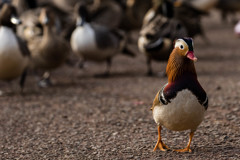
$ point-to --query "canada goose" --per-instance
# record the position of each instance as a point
(228, 7)
(201, 5)
(30, 27)
(14, 54)
(23, 5)
(134, 13)
(106, 12)
(162, 7)
(95, 42)
(191, 18)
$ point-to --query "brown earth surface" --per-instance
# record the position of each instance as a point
(82, 117)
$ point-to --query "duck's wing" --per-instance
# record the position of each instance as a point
(160, 98)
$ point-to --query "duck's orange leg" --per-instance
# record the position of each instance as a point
(187, 149)
(159, 143)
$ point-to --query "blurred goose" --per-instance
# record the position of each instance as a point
(134, 11)
(190, 17)
(156, 38)
(95, 42)
(65, 5)
(228, 6)
(23, 5)
(14, 54)
(163, 7)
(106, 12)
(31, 27)
(49, 51)
(201, 5)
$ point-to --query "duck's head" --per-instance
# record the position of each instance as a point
(8, 15)
(184, 47)
(81, 13)
(181, 60)
(46, 17)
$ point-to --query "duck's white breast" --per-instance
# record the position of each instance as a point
(142, 41)
(12, 62)
(83, 39)
(148, 16)
(83, 43)
(183, 113)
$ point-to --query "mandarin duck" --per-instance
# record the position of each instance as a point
(182, 102)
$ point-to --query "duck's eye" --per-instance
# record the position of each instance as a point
(181, 47)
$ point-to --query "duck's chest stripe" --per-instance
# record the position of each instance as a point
(170, 91)
(161, 96)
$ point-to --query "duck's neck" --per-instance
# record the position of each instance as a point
(178, 66)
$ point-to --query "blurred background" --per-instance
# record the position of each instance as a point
(78, 76)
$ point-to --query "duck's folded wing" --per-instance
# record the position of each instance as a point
(156, 45)
(160, 98)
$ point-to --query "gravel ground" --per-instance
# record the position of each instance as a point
(82, 117)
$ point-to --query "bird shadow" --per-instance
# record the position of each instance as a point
(113, 74)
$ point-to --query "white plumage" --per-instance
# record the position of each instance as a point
(184, 112)
(12, 61)
(237, 28)
(84, 43)
(83, 40)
